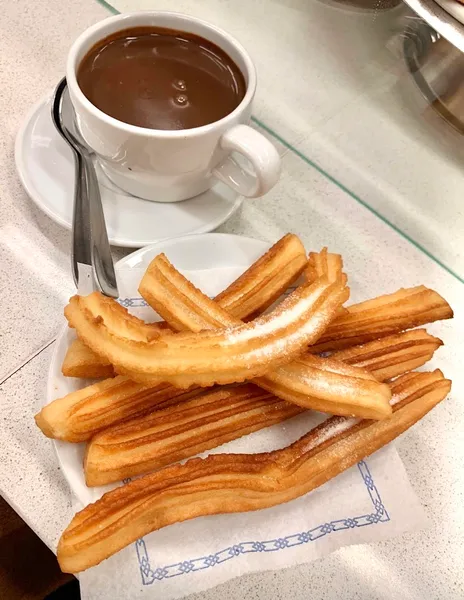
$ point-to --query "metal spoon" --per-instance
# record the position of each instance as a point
(90, 245)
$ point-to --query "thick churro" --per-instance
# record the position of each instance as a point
(81, 361)
(248, 296)
(309, 381)
(78, 416)
(383, 316)
(167, 435)
(213, 356)
(217, 416)
(225, 483)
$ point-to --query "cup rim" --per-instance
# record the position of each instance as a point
(71, 78)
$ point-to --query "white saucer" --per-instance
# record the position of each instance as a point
(46, 168)
(228, 255)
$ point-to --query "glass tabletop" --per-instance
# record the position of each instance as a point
(365, 92)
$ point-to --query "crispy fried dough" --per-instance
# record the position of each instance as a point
(383, 316)
(214, 356)
(226, 483)
(217, 416)
(309, 381)
(81, 361)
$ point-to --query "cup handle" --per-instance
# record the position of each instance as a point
(262, 155)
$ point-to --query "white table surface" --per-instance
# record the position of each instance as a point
(35, 281)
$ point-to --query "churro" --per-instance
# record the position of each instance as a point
(266, 280)
(227, 483)
(128, 325)
(216, 416)
(213, 356)
(392, 355)
(167, 435)
(254, 291)
(323, 263)
(383, 316)
(248, 296)
(114, 400)
(81, 361)
(311, 382)
(80, 414)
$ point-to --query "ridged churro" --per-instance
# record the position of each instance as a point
(392, 355)
(323, 263)
(129, 326)
(326, 264)
(226, 483)
(167, 435)
(248, 296)
(214, 356)
(79, 415)
(254, 291)
(383, 316)
(216, 416)
(266, 280)
(309, 381)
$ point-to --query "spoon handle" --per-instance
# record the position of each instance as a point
(90, 239)
(81, 234)
(101, 252)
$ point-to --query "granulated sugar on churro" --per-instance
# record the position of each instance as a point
(328, 430)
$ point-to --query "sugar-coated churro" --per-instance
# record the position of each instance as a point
(213, 356)
(254, 291)
(311, 382)
(79, 415)
(329, 386)
(113, 413)
(227, 483)
(109, 402)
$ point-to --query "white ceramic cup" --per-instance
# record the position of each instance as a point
(169, 166)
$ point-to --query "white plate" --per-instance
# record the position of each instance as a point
(45, 166)
(223, 252)
(454, 8)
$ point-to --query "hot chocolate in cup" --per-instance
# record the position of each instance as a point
(164, 100)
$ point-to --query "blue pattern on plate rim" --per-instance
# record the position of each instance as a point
(151, 574)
